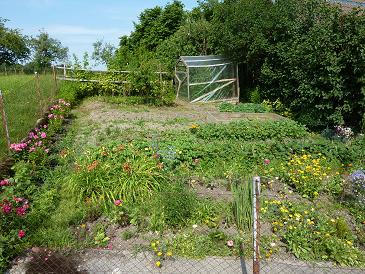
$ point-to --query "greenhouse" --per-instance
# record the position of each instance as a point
(206, 79)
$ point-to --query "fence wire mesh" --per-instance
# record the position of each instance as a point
(212, 244)
(292, 234)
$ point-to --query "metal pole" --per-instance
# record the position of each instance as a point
(5, 122)
(188, 79)
(256, 224)
(64, 70)
(238, 83)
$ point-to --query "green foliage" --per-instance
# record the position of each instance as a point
(327, 83)
(246, 130)
(13, 45)
(46, 50)
(311, 235)
(244, 107)
(242, 205)
(175, 205)
(115, 171)
(191, 244)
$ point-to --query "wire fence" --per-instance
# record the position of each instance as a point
(201, 248)
(24, 98)
(103, 246)
(290, 233)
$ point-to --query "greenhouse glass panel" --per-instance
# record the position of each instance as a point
(206, 78)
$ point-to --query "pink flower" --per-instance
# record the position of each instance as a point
(21, 234)
(6, 208)
(4, 182)
(266, 161)
(20, 211)
(46, 150)
(43, 135)
(18, 147)
(118, 202)
(230, 243)
(18, 200)
(45, 126)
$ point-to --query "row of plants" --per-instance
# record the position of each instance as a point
(244, 107)
(18, 192)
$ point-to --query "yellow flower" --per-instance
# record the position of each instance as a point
(168, 253)
(159, 254)
(194, 126)
(333, 220)
(153, 244)
(158, 264)
(327, 235)
(349, 242)
(82, 225)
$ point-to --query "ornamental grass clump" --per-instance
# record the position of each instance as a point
(116, 172)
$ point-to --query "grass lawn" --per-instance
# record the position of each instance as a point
(23, 104)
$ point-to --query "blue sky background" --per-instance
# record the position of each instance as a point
(78, 23)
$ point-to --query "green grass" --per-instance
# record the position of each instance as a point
(23, 104)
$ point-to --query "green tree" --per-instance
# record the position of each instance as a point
(103, 52)
(47, 50)
(13, 45)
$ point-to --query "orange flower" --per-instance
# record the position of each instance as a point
(127, 168)
(93, 165)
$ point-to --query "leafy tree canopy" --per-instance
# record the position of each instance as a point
(13, 45)
(47, 50)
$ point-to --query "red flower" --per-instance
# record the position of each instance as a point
(266, 161)
(21, 234)
(20, 211)
(4, 183)
(6, 208)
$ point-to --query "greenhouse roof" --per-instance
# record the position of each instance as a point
(204, 61)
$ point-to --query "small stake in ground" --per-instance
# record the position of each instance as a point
(256, 224)
(5, 122)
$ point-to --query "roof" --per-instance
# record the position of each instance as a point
(204, 60)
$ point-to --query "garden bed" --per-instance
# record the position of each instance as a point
(159, 189)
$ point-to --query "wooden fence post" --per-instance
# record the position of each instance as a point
(38, 89)
(5, 121)
(54, 82)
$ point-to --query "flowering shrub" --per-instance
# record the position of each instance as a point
(358, 185)
(13, 214)
(339, 133)
(38, 139)
(311, 236)
(306, 173)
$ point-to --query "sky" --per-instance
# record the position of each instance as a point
(78, 23)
